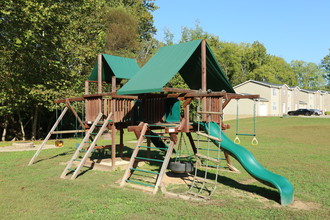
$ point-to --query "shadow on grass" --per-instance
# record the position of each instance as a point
(259, 190)
(55, 156)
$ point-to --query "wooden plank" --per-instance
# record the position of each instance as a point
(164, 166)
(178, 90)
(75, 114)
(69, 99)
(210, 113)
(86, 87)
(207, 158)
(205, 94)
(134, 154)
(192, 143)
(99, 73)
(208, 136)
(68, 131)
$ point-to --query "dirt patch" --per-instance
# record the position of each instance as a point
(27, 147)
(176, 178)
(299, 205)
(248, 181)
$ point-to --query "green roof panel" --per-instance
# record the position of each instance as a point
(121, 67)
(183, 58)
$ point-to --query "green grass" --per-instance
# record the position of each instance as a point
(295, 147)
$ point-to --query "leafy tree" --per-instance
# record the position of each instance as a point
(326, 66)
(309, 75)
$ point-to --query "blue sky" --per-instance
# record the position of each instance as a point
(291, 29)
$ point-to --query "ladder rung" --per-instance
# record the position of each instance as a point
(214, 166)
(145, 184)
(145, 171)
(155, 136)
(71, 169)
(207, 158)
(208, 136)
(158, 148)
(200, 179)
(76, 160)
(209, 149)
(94, 133)
(88, 142)
(150, 159)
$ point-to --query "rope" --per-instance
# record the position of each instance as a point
(254, 140)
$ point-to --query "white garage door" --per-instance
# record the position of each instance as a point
(262, 109)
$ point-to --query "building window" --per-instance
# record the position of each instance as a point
(274, 92)
(274, 106)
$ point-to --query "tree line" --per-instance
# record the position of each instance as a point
(48, 49)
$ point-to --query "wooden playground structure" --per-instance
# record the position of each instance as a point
(158, 117)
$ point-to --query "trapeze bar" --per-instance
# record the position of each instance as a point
(246, 134)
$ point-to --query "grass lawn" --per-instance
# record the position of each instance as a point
(297, 148)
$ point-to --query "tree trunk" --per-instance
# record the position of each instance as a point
(35, 123)
(4, 132)
(22, 126)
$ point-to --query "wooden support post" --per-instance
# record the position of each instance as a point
(203, 73)
(186, 117)
(86, 87)
(113, 84)
(113, 146)
(99, 73)
(121, 141)
(192, 143)
(148, 149)
(99, 79)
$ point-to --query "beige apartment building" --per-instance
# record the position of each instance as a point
(275, 99)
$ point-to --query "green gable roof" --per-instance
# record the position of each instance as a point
(122, 68)
(184, 58)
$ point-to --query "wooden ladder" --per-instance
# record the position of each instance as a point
(127, 178)
(76, 171)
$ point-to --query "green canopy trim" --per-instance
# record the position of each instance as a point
(121, 67)
(184, 58)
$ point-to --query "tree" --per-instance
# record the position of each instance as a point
(309, 75)
(326, 66)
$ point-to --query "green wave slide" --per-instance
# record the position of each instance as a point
(250, 164)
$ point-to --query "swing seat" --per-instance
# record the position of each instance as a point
(181, 167)
(59, 143)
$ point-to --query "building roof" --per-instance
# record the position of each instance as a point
(184, 58)
(121, 67)
(273, 85)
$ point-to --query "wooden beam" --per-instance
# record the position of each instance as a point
(205, 94)
(203, 75)
(86, 87)
(67, 131)
(178, 90)
(99, 73)
(69, 99)
(113, 84)
(75, 114)
(209, 136)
